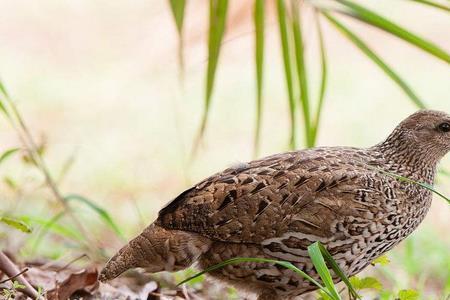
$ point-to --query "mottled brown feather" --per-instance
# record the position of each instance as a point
(275, 207)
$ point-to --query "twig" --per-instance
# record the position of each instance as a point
(10, 269)
(71, 262)
(15, 276)
(32, 148)
(66, 167)
(54, 263)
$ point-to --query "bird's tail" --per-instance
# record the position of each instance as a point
(157, 249)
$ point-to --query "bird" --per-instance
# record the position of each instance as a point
(275, 207)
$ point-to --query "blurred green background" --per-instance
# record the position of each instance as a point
(99, 83)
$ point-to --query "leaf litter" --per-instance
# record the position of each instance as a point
(58, 281)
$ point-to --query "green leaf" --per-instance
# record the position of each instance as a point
(365, 283)
(324, 296)
(8, 153)
(17, 285)
(217, 18)
(41, 292)
(323, 80)
(301, 71)
(369, 17)
(322, 269)
(16, 223)
(258, 16)
(238, 260)
(104, 215)
(382, 260)
(285, 47)
(433, 4)
(376, 59)
(408, 295)
(337, 270)
(178, 8)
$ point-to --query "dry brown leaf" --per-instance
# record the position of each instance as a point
(62, 285)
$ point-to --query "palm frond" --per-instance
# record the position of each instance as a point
(370, 17)
(301, 71)
(376, 59)
(217, 19)
(259, 58)
(433, 4)
(323, 80)
(178, 10)
(285, 47)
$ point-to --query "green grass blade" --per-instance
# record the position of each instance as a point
(5, 155)
(258, 16)
(16, 223)
(301, 71)
(323, 79)
(217, 20)
(5, 94)
(3, 108)
(103, 214)
(424, 185)
(178, 8)
(376, 59)
(55, 227)
(319, 264)
(433, 4)
(3, 90)
(44, 230)
(238, 260)
(337, 270)
(281, 10)
(369, 17)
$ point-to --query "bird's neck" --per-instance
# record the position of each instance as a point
(407, 158)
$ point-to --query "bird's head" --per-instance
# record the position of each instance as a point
(425, 133)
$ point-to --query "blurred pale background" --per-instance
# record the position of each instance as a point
(99, 81)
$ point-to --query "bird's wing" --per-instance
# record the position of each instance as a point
(304, 192)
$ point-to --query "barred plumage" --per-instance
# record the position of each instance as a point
(276, 206)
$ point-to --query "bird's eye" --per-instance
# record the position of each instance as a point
(444, 127)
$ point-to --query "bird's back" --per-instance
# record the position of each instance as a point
(287, 201)
(257, 200)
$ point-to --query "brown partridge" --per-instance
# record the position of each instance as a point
(277, 206)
